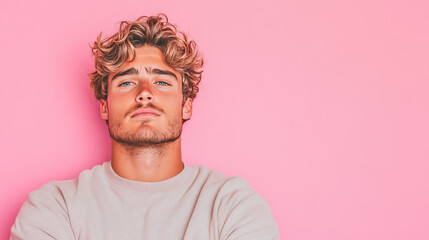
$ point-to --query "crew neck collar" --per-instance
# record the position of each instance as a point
(168, 184)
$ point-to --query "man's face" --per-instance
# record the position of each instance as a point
(144, 101)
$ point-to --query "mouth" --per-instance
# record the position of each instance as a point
(145, 112)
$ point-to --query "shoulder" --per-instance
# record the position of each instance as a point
(241, 212)
(44, 213)
(45, 210)
(60, 190)
(214, 176)
(226, 186)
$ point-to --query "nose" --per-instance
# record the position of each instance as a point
(145, 93)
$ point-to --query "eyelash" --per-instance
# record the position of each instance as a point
(129, 83)
(166, 84)
(124, 84)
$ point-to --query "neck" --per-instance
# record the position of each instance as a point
(149, 163)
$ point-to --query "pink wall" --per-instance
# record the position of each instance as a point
(322, 106)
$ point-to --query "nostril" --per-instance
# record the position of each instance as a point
(141, 98)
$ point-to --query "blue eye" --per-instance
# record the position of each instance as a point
(162, 83)
(125, 84)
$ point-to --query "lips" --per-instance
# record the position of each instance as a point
(145, 112)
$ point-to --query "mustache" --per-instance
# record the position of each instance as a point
(139, 105)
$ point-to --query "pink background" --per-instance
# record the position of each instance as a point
(322, 106)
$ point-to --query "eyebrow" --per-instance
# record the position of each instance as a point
(150, 71)
(131, 71)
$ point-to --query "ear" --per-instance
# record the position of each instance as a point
(187, 109)
(104, 110)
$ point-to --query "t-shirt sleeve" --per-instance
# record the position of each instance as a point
(244, 214)
(43, 215)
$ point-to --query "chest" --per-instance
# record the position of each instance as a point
(169, 216)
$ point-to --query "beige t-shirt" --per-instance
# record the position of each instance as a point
(198, 203)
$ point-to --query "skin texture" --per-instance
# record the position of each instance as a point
(146, 147)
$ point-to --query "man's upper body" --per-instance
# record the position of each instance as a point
(198, 203)
(146, 79)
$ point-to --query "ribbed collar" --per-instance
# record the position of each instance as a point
(181, 179)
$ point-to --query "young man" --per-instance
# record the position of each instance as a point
(146, 79)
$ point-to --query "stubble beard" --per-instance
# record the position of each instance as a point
(146, 135)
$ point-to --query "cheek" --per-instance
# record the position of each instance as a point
(171, 102)
(117, 105)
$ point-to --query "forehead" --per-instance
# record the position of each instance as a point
(147, 57)
(148, 54)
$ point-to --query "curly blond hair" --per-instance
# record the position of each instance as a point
(180, 53)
